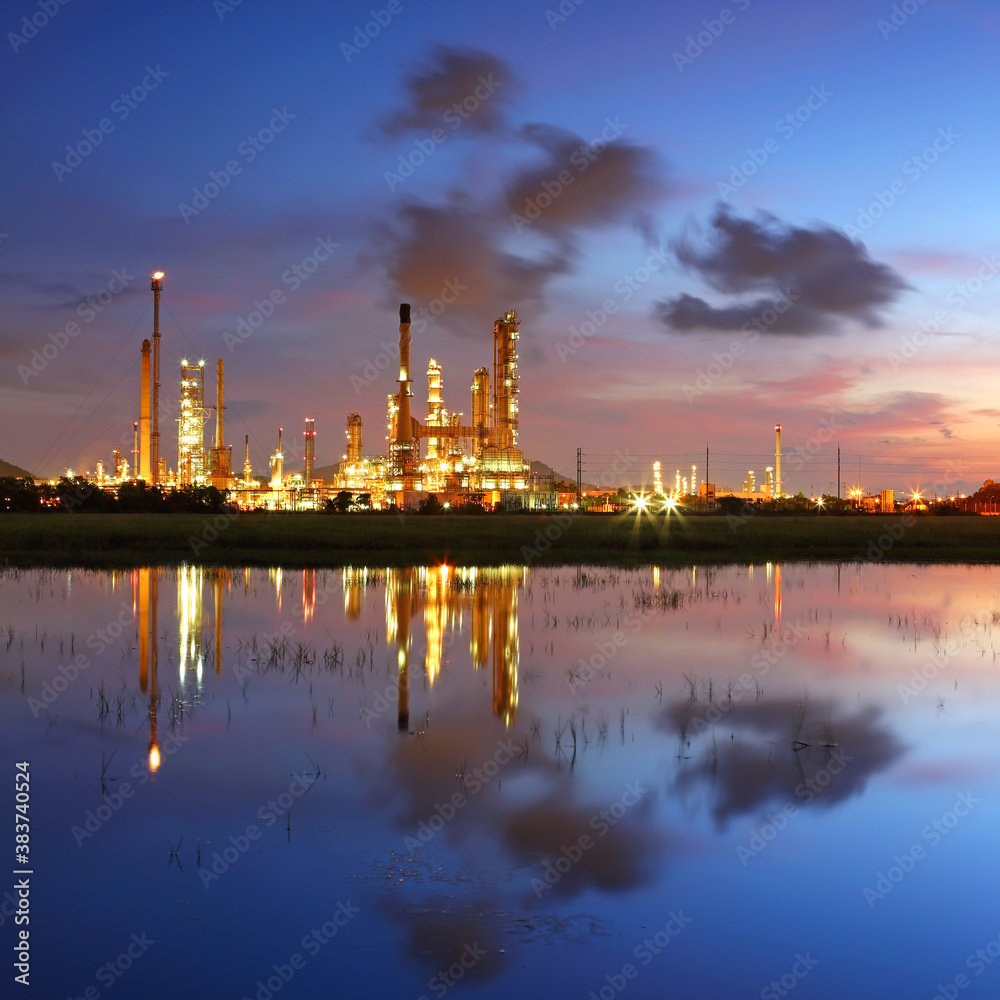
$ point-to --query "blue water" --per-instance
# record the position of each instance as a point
(534, 783)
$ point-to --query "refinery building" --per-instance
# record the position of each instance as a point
(445, 454)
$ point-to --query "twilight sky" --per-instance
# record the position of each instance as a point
(710, 218)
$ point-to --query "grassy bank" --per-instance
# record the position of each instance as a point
(384, 540)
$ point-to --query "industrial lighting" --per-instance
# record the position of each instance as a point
(158, 276)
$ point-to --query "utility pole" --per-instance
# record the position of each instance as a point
(707, 480)
(579, 476)
(838, 471)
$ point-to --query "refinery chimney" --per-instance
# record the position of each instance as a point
(354, 426)
(404, 421)
(777, 460)
(141, 468)
(218, 405)
(310, 433)
(154, 462)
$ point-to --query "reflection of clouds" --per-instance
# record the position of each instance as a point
(533, 826)
(763, 751)
(621, 857)
(439, 934)
(426, 770)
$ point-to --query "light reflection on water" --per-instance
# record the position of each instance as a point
(530, 771)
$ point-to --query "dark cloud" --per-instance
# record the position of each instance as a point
(827, 277)
(775, 747)
(585, 185)
(622, 855)
(453, 76)
(688, 312)
(464, 242)
(451, 255)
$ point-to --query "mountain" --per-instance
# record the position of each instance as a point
(7, 471)
(541, 469)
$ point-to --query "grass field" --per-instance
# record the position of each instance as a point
(295, 540)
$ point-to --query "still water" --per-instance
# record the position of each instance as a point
(741, 782)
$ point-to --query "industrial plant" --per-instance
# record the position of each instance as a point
(458, 460)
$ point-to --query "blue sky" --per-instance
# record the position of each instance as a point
(915, 411)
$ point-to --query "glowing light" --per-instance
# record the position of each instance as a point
(158, 276)
(154, 757)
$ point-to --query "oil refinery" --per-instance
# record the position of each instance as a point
(458, 460)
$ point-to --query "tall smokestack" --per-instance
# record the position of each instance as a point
(354, 437)
(218, 405)
(404, 421)
(141, 469)
(157, 287)
(777, 460)
(310, 449)
(135, 449)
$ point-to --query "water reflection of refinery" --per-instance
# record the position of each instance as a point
(448, 598)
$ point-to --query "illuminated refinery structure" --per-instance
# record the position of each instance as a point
(479, 458)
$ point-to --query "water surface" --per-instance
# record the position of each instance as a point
(507, 782)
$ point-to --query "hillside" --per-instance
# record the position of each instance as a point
(7, 470)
